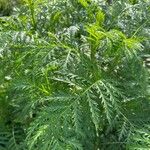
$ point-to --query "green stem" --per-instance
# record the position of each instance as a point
(139, 28)
(94, 63)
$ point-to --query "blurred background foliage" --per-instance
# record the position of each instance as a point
(7, 6)
(72, 75)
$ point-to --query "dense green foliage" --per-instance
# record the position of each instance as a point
(5, 7)
(72, 76)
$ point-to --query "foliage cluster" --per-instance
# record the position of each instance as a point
(72, 76)
(6, 6)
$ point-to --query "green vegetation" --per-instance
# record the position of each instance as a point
(5, 7)
(72, 75)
